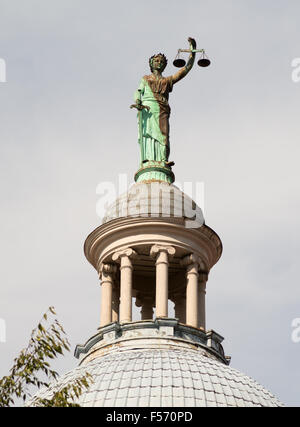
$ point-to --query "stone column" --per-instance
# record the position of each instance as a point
(147, 308)
(124, 257)
(115, 303)
(106, 276)
(146, 303)
(201, 301)
(162, 254)
(180, 307)
(192, 263)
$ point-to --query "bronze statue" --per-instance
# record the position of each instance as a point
(154, 111)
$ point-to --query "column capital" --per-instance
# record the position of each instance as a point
(190, 260)
(157, 249)
(128, 253)
(107, 269)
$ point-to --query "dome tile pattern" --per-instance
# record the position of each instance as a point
(165, 378)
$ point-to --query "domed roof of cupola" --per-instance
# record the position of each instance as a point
(155, 199)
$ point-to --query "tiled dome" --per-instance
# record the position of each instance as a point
(165, 378)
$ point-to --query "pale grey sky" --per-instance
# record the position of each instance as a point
(65, 126)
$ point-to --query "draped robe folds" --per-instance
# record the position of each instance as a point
(155, 122)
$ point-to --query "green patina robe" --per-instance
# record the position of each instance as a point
(155, 122)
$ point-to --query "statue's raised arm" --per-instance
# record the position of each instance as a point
(187, 68)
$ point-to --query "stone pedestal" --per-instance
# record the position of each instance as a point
(154, 171)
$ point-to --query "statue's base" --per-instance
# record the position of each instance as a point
(155, 171)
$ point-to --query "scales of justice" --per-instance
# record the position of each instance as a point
(152, 103)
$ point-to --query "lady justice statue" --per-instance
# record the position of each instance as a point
(152, 104)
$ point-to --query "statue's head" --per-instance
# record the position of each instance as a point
(158, 62)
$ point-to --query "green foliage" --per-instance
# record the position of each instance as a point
(45, 343)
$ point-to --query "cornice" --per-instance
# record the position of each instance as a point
(203, 238)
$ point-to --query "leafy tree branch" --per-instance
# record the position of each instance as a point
(45, 343)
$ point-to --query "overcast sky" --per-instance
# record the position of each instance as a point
(66, 126)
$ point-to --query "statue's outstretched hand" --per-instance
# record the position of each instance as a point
(185, 70)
